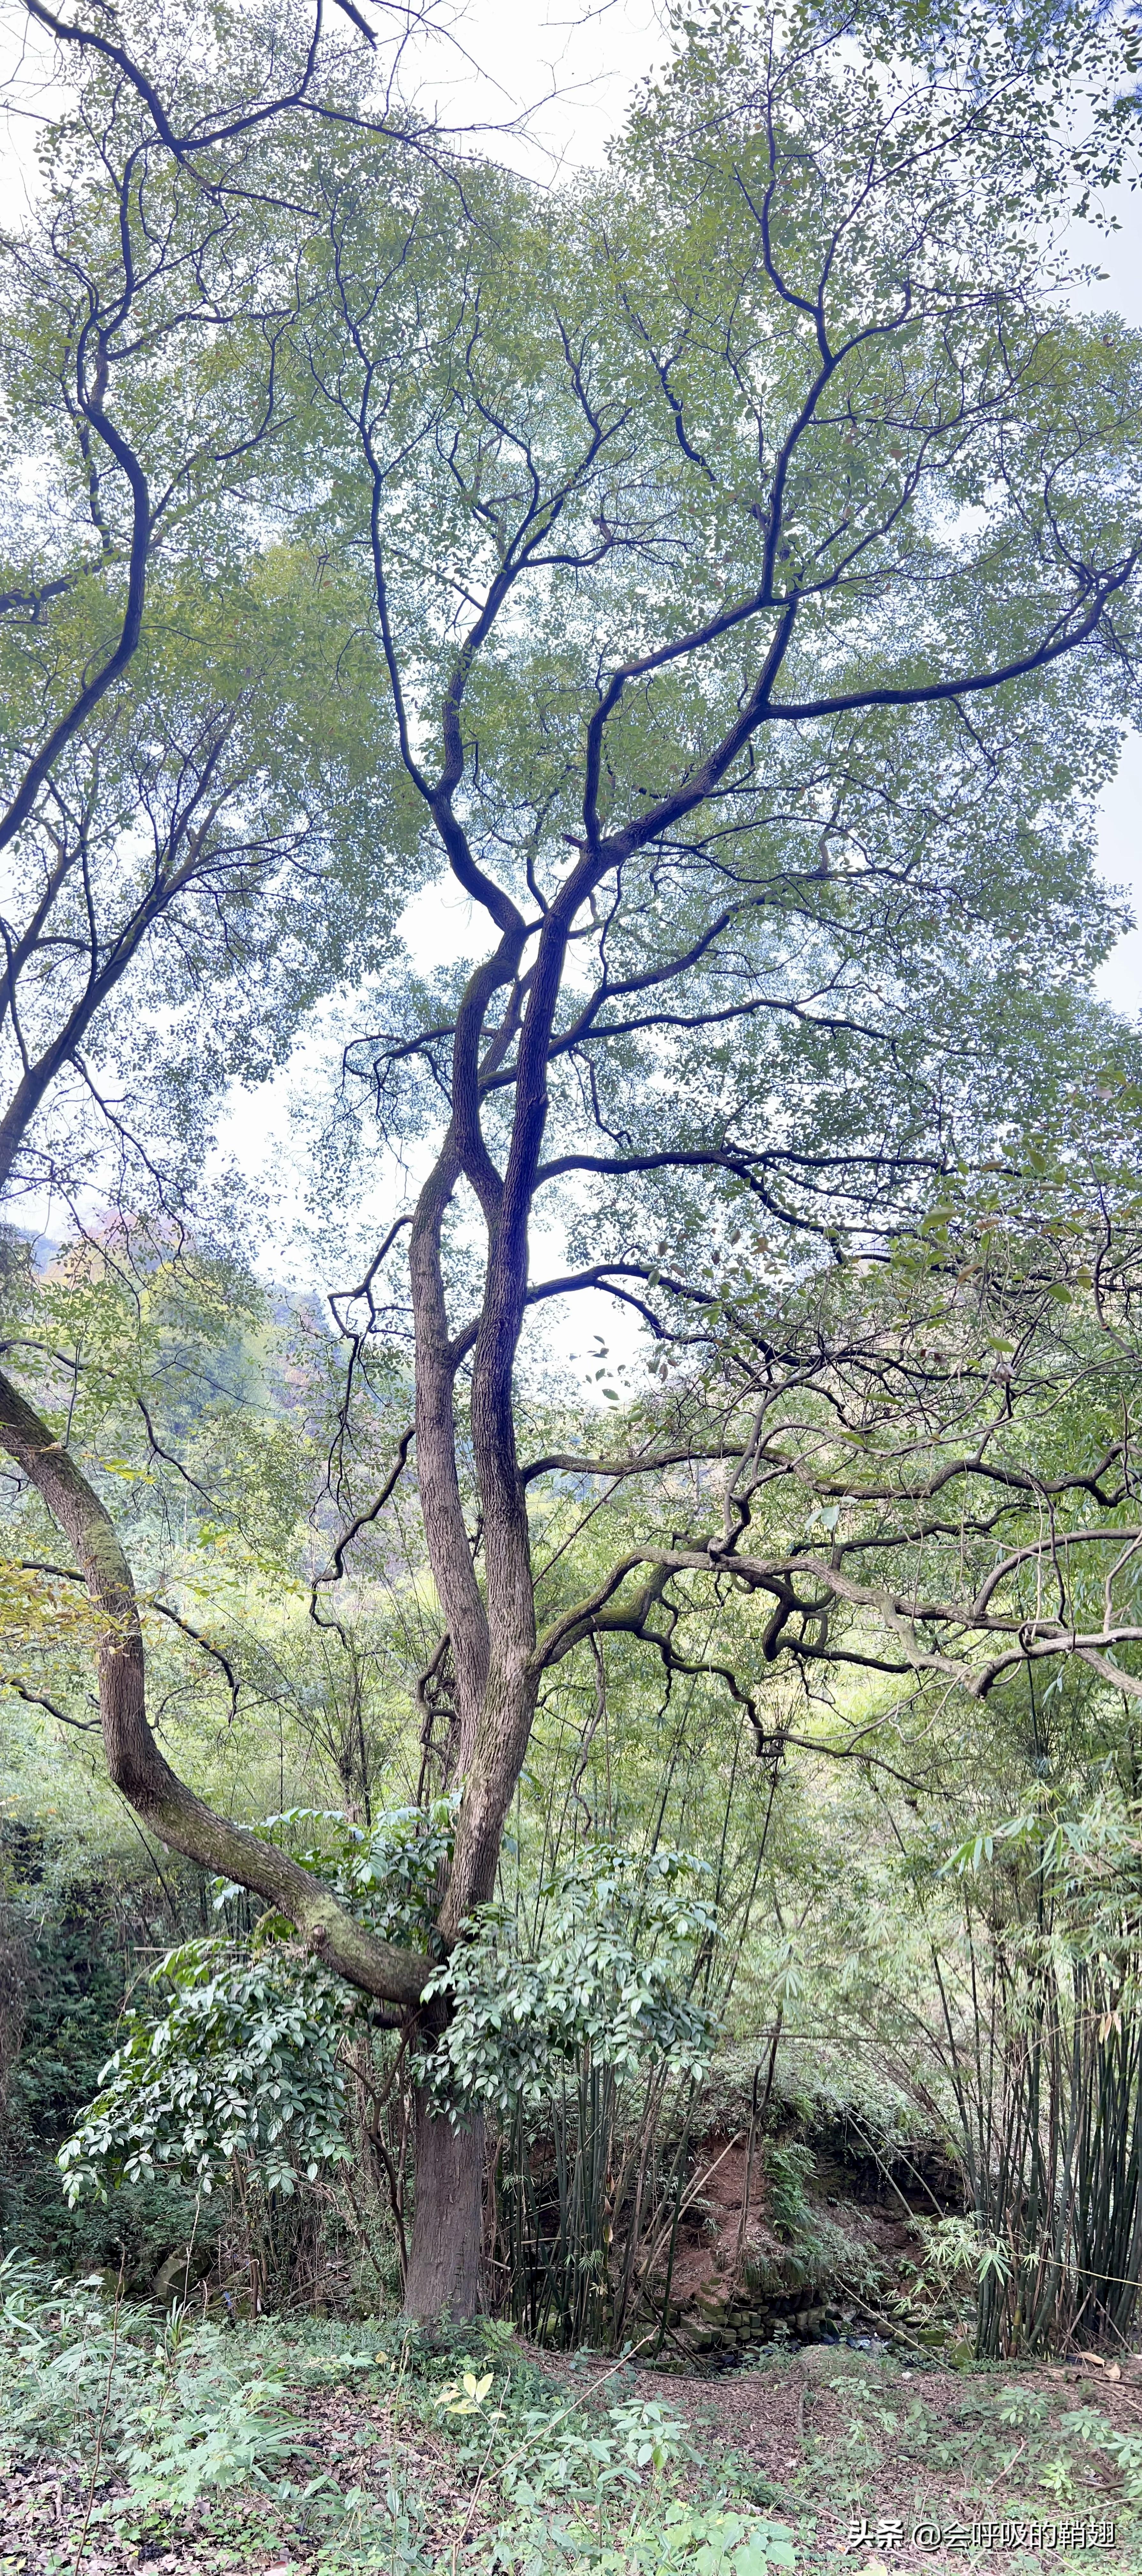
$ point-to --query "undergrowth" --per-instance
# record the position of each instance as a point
(181, 2417)
(376, 2446)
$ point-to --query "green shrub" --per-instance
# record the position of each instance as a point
(75, 1960)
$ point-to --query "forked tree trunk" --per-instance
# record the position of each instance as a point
(444, 2277)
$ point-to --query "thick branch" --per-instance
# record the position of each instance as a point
(141, 1772)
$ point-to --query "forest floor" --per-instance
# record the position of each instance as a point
(863, 2460)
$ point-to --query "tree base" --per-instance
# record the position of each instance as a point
(448, 2218)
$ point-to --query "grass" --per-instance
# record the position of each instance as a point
(129, 2438)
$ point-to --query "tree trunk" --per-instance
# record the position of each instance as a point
(448, 2217)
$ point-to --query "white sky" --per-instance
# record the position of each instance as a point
(569, 73)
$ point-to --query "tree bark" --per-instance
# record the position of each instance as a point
(448, 2217)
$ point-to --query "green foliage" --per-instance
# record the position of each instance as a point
(72, 1978)
(243, 2064)
(574, 2478)
(386, 1873)
(74, 1938)
(585, 2471)
(211, 2429)
(612, 1980)
(787, 2169)
(184, 2414)
(723, 2544)
(183, 2419)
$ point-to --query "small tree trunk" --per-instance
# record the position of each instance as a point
(448, 2217)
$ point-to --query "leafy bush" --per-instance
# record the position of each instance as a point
(243, 2064)
(723, 2544)
(180, 2414)
(612, 1978)
(387, 1873)
(210, 2430)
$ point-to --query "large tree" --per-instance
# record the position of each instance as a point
(751, 536)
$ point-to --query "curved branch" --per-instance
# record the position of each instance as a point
(38, 1699)
(205, 1646)
(122, 653)
(336, 1566)
(137, 1768)
(966, 684)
